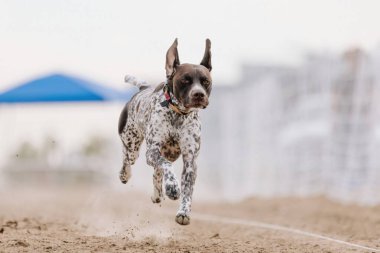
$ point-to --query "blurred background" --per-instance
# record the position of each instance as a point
(294, 109)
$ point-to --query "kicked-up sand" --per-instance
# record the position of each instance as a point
(103, 220)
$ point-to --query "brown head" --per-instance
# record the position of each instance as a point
(190, 83)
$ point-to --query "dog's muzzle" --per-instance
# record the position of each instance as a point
(198, 97)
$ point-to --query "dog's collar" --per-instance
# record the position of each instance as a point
(170, 101)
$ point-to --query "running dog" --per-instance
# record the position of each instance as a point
(167, 117)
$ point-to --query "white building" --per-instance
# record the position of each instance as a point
(313, 129)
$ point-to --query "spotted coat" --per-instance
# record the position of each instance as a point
(169, 130)
(168, 135)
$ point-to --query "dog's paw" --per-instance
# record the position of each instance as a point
(124, 175)
(155, 199)
(182, 218)
(172, 190)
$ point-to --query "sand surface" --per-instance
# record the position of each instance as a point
(101, 220)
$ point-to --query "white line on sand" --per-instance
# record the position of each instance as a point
(213, 218)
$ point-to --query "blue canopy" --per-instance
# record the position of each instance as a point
(62, 88)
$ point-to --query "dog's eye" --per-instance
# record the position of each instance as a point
(206, 82)
(186, 81)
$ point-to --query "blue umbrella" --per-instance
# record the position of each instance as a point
(63, 88)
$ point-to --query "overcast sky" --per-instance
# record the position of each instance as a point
(103, 40)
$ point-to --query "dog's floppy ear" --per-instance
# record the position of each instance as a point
(206, 61)
(172, 59)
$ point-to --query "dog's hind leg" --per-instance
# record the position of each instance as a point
(157, 184)
(132, 141)
(125, 172)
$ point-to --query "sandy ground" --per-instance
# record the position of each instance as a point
(101, 220)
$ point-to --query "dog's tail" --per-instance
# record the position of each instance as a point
(141, 84)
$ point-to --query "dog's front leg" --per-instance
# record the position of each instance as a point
(190, 149)
(163, 167)
(155, 159)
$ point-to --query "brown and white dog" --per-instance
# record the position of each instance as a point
(167, 117)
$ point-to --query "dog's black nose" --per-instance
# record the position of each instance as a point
(198, 95)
